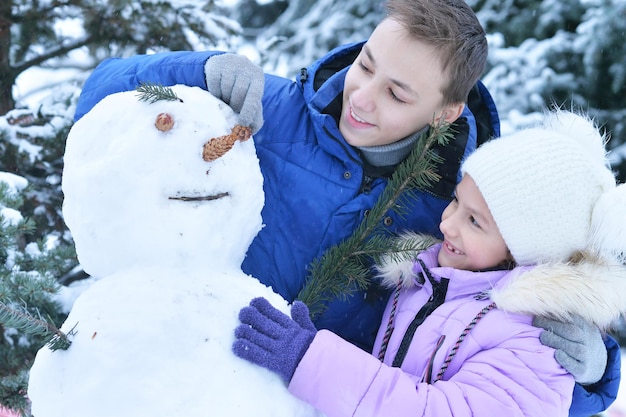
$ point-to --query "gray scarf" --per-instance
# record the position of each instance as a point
(392, 153)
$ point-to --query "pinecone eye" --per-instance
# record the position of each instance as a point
(164, 122)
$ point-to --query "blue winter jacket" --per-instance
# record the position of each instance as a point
(317, 187)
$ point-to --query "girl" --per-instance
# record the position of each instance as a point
(536, 228)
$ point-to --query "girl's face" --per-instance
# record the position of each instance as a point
(393, 89)
(472, 240)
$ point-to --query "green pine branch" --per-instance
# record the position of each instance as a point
(152, 93)
(345, 268)
(21, 319)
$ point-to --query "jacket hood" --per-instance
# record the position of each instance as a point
(333, 62)
(587, 286)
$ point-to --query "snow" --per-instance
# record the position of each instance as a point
(152, 334)
(14, 184)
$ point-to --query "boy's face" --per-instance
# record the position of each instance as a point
(393, 89)
(472, 240)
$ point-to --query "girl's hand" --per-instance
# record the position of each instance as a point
(271, 339)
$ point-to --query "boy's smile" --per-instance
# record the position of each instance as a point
(393, 88)
(355, 121)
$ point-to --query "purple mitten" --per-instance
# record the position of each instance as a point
(271, 339)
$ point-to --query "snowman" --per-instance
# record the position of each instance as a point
(163, 195)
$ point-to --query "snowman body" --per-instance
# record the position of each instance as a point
(164, 233)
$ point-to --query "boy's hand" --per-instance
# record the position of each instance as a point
(239, 83)
(271, 339)
(579, 347)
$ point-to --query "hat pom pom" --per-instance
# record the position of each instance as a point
(609, 224)
(581, 128)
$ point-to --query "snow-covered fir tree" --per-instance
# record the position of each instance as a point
(76, 35)
(36, 251)
(542, 52)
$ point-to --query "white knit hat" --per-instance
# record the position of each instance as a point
(542, 184)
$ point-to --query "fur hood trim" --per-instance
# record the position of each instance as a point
(588, 287)
(397, 266)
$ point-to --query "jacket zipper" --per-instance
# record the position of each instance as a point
(429, 369)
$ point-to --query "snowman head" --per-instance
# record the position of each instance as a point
(138, 191)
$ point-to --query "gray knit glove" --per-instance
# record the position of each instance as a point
(579, 347)
(239, 83)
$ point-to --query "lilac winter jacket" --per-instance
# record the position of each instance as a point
(499, 368)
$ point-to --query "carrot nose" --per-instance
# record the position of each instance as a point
(216, 147)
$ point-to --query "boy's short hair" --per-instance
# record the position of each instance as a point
(452, 27)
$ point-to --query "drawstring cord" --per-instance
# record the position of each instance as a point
(456, 346)
(390, 327)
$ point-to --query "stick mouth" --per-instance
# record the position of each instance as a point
(200, 197)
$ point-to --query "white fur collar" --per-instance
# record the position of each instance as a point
(587, 286)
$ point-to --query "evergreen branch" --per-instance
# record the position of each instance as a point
(152, 93)
(22, 320)
(52, 53)
(343, 269)
(13, 392)
(417, 172)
